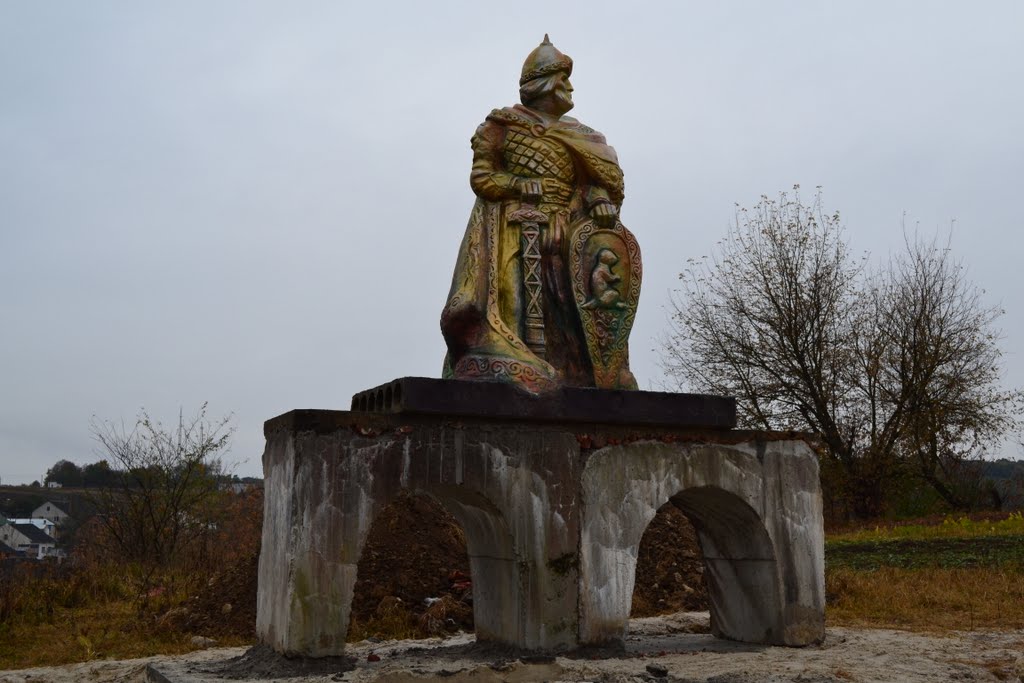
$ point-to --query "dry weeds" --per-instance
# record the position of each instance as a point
(931, 599)
(107, 630)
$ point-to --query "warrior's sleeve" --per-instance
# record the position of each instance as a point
(597, 195)
(487, 178)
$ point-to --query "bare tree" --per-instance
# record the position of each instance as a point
(166, 481)
(939, 378)
(891, 369)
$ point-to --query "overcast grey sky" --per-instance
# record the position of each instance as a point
(259, 204)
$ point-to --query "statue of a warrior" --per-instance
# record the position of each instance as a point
(547, 279)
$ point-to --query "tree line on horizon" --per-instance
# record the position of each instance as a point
(100, 474)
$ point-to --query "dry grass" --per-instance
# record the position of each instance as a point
(109, 630)
(930, 599)
(52, 615)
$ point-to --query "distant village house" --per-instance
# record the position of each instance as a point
(50, 511)
(28, 539)
(35, 537)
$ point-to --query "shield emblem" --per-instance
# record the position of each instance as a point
(605, 270)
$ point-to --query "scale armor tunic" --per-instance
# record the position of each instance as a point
(532, 157)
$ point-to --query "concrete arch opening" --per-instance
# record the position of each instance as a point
(738, 583)
(492, 561)
(741, 571)
(749, 506)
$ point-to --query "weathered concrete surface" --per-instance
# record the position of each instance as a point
(507, 489)
(553, 515)
(756, 507)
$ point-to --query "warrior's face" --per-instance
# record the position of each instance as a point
(549, 94)
(563, 92)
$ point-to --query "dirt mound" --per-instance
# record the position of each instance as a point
(225, 606)
(669, 567)
(415, 552)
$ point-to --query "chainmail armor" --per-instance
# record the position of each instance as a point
(532, 157)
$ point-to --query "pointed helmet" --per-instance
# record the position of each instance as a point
(545, 60)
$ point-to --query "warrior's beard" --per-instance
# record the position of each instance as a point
(541, 87)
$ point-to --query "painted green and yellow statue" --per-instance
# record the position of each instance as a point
(547, 280)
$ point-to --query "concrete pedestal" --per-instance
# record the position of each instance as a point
(553, 505)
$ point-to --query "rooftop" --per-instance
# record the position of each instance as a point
(34, 533)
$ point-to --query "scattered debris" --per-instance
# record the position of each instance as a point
(203, 641)
(657, 670)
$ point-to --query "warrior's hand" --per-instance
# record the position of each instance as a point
(604, 214)
(530, 191)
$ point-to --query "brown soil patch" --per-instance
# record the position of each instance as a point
(415, 552)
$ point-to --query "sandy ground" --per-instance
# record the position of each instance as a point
(657, 649)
